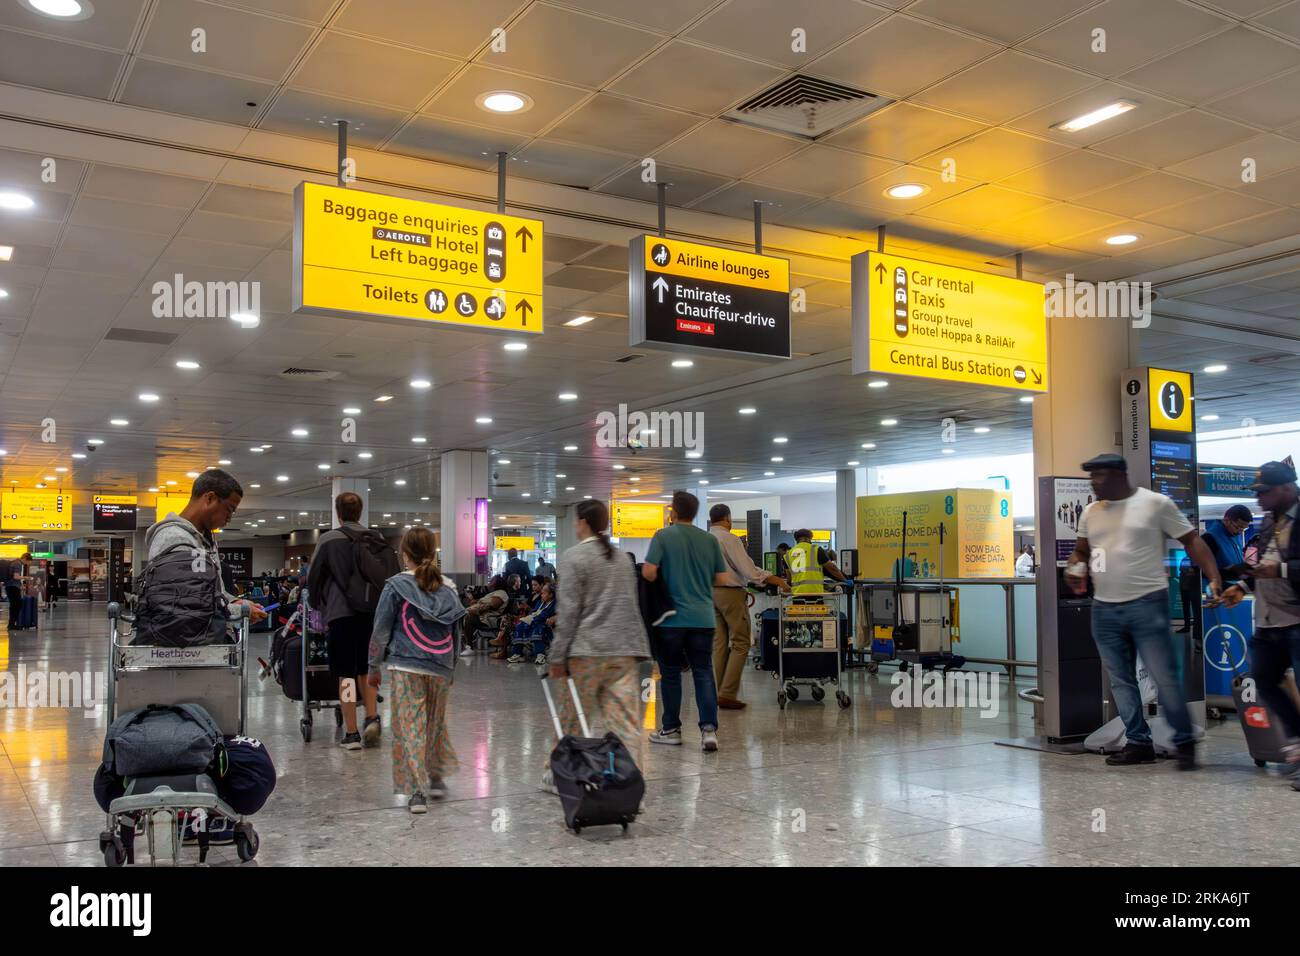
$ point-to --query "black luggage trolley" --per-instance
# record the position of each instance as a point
(808, 648)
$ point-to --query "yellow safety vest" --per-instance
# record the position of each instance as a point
(805, 572)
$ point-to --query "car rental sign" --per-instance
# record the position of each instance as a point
(944, 322)
(684, 296)
(366, 254)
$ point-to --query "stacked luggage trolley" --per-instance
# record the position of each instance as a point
(164, 807)
(810, 634)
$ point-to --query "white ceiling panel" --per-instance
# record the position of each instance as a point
(763, 29)
(695, 78)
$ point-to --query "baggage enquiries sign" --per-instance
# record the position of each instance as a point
(943, 322)
(365, 254)
(684, 296)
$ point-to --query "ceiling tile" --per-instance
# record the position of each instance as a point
(1272, 104)
(1272, 155)
(1052, 224)
(1172, 140)
(900, 56)
(904, 132)
(1283, 188)
(727, 148)
(53, 65)
(133, 185)
(19, 168)
(1285, 19)
(995, 154)
(1136, 31)
(1148, 233)
(685, 185)
(176, 89)
(667, 16)
(1138, 196)
(316, 116)
(566, 164)
(445, 141)
(1006, 22)
(622, 125)
(361, 69)
(1242, 57)
(237, 41)
(762, 28)
(594, 280)
(312, 10)
(137, 217)
(223, 228)
(871, 194)
(440, 26)
(1206, 212)
(1242, 8)
(1150, 109)
(1004, 86)
(822, 170)
(738, 201)
(253, 203)
(832, 216)
(695, 78)
(550, 100)
(1072, 175)
(570, 47)
(982, 205)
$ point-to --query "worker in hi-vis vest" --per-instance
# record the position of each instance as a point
(809, 563)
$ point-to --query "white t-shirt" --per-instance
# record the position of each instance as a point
(1131, 534)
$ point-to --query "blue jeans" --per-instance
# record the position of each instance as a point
(1125, 630)
(696, 643)
(1272, 651)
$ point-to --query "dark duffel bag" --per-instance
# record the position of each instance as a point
(161, 739)
(181, 602)
(244, 774)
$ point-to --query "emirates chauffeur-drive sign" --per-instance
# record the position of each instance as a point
(943, 322)
(685, 296)
(359, 253)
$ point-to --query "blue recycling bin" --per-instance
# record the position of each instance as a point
(1227, 652)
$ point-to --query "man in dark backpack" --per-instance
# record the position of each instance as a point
(348, 571)
(188, 536)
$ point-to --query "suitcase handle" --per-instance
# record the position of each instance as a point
(555, 717)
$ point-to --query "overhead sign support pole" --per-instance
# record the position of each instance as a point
(501, 182)
(343, 153)
(1020, 265)
(661, 190)
(880, 238)
(758, 226)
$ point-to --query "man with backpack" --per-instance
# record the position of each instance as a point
(348, 571)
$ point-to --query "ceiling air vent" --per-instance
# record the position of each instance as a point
(145, 336)
(308, 374)
(807, 107)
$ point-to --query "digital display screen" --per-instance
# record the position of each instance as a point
(1173, 471)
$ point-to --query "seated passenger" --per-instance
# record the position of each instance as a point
(484, 611)
(533, 632)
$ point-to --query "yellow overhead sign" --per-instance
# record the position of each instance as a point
(944, 322)
(11, 551)
(170, 504)
(691, 260)
(1170, 395)
(505, 542)
(359, 253)
(821, 535)
(636, 519)
(35, 511)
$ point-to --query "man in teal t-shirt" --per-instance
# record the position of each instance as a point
(691, 562)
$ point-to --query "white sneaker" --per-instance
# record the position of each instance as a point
(540, 659)
(468, 652)
(709, 740)
(548, 782)
(671, 737)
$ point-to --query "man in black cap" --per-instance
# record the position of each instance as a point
(1121, 540)
(1275, 582)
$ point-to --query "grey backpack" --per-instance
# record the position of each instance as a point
(161, 738)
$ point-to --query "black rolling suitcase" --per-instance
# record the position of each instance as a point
(767, 639)
(27, 613)
(599, 782)
(320, 685)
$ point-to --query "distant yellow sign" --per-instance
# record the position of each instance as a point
(359, 253)
(505, 542)
(821, 535)
(1170, 394)
(943, 322)
(113, 499)
(12, 551)
(636, 519)
(35, 511)
(170, 504)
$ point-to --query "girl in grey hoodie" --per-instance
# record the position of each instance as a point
(414, 636)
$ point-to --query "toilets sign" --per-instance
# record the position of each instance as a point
(942, 322)
(366, 254)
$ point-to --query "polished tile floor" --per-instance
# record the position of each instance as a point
(813, 785)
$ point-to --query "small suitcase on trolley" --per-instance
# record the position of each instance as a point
(1265, 735)
(599, 782)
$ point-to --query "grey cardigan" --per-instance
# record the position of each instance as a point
(596, 605)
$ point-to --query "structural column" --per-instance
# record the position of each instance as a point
(849, 484)
(464, 480)
(565, 534)
(359, 486)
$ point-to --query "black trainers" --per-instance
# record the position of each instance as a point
(418, 804)
(1133, 754)
(1187, 756)
(351, 741)
(371, 732)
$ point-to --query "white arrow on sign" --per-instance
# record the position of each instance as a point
(662, 286)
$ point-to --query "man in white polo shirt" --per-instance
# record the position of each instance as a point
(1127, 528)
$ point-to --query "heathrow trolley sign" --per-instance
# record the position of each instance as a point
(944, 322)
(366, 254)
(683, 296)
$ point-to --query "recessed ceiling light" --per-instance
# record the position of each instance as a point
(94, 441)
(421, 383)
(418, 439)
(191, 474)
(4, 294)
(877, 384)
(300, 433)
(62, 9)
(39, 485)
(366, 454)
(567, 396)
(187, 364)
(516, 346)
(1027, 399)
(281, 477)
(982, 430)
(323, 467)
(693, 454)
(769, 474)
(155, 490)
(546, 501)
(570, 447)
(526, 494)
(264, 446)
(780, 440)
(619, 467)
(777, 459)
(853, 464)
(906, 191)
(580, 320)
(483, 420)
(696, 471)
(503, 101)
(279, 517)
(888, 422)
(948, 451)
(255, 485)
(60, 470)
(503, 461)
(747, 410)
(118, 421)
(703, 481)
(399, 482)
(1209, 418)
(15, 202)
(388, 514)
(223, 461)
(148, 397)
(1109, 111)
(256, 449)
(868, 445)
(352, 411)
(6, 253)
(383, 398)
(246, 320)
(568, 487)
(1215, 369)
(425, 498)
(634, 478)
(169, 482)
(76, 454)
(682, 363)
(1122, 239)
